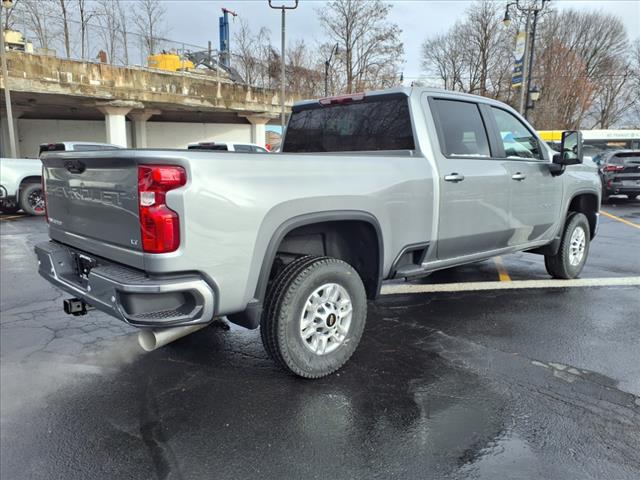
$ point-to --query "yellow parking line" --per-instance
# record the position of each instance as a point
(502, 270)
(631, 224)
(11, 218)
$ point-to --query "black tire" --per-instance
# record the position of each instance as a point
(280, 325)
(560, 265)
(275, 287)
(632, 196)
(32, 199)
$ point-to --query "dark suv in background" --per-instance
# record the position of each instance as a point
(620, 173)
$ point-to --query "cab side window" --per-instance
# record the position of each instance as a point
(517, 139)
(461, 131)
(238, 147)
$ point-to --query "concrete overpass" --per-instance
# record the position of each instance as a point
(51, 88)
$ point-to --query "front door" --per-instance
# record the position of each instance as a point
(535, 194)
(474, 188)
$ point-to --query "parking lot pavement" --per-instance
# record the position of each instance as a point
(520, 383)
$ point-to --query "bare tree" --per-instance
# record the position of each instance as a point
(85, 14)
(37, 15)
(149, 19)
(615, 95)
(371, 46)
(64, 10)
(303, 75)
(109, 28)
(123, 24)
(596, 41)
(245, 53)
(10, 15)
(474, 55)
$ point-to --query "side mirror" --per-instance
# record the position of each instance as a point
(570, 149)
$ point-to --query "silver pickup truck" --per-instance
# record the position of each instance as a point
(390, 184)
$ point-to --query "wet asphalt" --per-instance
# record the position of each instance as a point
(517, 384)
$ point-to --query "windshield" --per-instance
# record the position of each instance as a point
(380, 122)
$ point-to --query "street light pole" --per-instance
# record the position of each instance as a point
(282, 73)
(5, 75)
(327, 65)
(532, 45)
(531, 9)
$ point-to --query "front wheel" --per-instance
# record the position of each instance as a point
(315, 316)
(9, 207)
(32, 199)
(569, 261)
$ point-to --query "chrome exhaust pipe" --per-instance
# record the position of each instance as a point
(153, 338)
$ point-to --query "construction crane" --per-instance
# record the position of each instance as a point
(225, 55)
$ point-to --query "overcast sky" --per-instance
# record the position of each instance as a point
(196, 21)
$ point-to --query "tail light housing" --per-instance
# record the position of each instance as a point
(613, 168)
(159, 225)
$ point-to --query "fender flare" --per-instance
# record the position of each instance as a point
(250, 318)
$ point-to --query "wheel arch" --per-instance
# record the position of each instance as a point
(588, 204)
(250, 318)
(29, 179)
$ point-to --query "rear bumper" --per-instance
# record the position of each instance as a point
(130, 295)
(614, 187)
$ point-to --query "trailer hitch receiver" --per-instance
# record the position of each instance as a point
(76, 306)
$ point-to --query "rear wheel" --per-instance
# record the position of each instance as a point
(314, 316)
(32, 199)
(573, 251)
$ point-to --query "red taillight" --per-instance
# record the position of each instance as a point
(159, 225)
(613, 168)
(44, 195)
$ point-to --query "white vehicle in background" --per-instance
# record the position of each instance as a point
(20, 178)
(228, 147)
(20, 185)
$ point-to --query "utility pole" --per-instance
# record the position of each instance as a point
(5, 75)
(282, 60)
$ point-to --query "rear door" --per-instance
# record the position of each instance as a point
(535, 194)
(474, 189)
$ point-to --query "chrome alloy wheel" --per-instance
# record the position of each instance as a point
(36, 201)
(577, 245)
(326, 318)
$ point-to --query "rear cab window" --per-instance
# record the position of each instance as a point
(372, 123)
(461, 130)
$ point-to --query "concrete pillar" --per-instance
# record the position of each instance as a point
(114, 119)
(258, 123)
(4, 132)
(139, 119)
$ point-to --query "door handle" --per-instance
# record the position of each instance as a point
(454, 177)
(518, 176)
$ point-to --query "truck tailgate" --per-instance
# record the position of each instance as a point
(92, 201)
